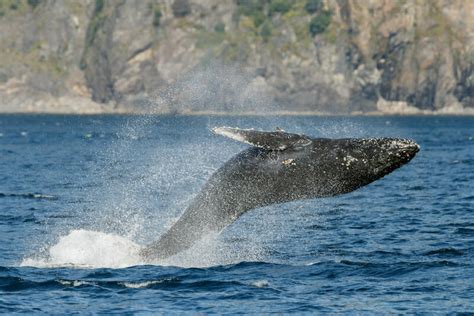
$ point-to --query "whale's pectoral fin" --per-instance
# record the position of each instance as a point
(277, 140)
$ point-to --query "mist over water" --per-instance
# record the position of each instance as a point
(144, 188)
(137, 192)
(216, 87)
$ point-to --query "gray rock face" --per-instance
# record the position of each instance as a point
(233, 56)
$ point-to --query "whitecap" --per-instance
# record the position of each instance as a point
(260, 283)
(139, 285)
(75, 283)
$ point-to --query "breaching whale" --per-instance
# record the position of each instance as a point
(279, 167)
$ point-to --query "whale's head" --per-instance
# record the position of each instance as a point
(294, 166)
(347, 164)
(327, 167)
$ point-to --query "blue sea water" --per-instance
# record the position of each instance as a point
(80, 194)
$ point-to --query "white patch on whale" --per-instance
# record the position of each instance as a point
(229, 132)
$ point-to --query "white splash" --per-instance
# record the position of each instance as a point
(89, 249)
(135, 173)
(92, 249)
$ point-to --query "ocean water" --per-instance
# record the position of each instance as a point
(79, 196)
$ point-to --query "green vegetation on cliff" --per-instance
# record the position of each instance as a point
(320, 22)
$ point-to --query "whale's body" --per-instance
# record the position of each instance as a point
(279, 167)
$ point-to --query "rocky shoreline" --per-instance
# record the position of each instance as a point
(237, 56)
(77, 106)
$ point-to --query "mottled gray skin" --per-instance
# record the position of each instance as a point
(258, 177)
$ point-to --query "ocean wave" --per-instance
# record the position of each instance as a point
(444, 252)
(15, 284)
(145, 284)
(344, 267)
(464, 231)
(29, 196)
(186, 282)
(234, 277)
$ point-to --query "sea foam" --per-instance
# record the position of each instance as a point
(90, 249)
(93, 249)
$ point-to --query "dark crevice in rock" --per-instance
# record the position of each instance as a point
(139, 51)
(96, 58)
(464, 90)
(392, 57)
(181, 8)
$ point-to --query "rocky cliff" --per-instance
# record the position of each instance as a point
(341, 56)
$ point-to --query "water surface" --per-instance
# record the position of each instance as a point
(80, 195)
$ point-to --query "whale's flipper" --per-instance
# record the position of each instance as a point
(277, 140)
